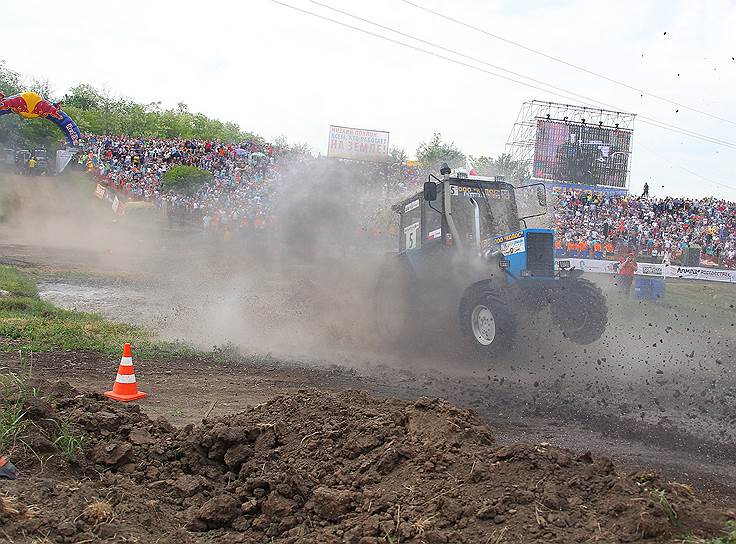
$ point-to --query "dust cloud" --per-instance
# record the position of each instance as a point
(302, 288)
(303, 291)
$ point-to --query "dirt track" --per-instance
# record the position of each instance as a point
(313, 467)
(659, 390)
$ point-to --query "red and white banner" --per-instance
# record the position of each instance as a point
(117, 206)
(358, 144)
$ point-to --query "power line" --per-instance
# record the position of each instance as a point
(566, 63)
(386, 38)
(646, 120)
(454, 52)
(676, 165)
(685, 132)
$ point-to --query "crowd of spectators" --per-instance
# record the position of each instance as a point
(244, 176)
(247, 178)
(597, 225)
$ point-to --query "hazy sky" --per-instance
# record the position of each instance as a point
(277, 71)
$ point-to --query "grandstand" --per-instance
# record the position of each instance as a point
(247, 178)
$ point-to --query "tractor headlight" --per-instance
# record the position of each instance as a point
(504, 264)
(564, 265)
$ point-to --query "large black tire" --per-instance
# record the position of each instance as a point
(487, 320)
(580, 310)
(393, 301)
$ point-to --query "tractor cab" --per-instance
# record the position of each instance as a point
(483, 217)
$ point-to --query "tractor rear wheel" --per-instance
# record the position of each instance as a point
(580, 311)
(487, 321)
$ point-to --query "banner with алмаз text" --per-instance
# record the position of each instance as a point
(659, 270)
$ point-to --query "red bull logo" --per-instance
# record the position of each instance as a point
(30, 106)
(16, 104)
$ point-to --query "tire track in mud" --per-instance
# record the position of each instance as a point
(683, 455)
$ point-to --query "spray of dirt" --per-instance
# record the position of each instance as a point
(301, 288)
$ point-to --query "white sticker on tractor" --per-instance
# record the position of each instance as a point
(512, 247)
(411, 206)
(410, 234)
(436, 233)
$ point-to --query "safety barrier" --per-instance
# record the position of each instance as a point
(108, 195)
(658, 270)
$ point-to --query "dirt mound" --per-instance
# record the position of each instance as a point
(316, 467)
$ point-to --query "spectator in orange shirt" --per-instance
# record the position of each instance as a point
(626, 271)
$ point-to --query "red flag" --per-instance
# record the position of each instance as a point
(471, 169)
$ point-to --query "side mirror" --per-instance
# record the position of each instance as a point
(430, 191)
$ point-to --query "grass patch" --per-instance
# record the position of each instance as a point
(28, 323)
(729, 536)
(17, 283)
(70, 441)
(15, 390)
(661, 497)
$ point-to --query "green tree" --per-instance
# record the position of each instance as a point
(301, 150)
(84, 97)
(503, 165)
(98, 111)
(10, 125)
(397, 155)
(511, 169)
(10, 81)
(436, 151)
(185, 179)
(485, 166)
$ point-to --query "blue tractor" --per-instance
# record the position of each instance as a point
(464, 247)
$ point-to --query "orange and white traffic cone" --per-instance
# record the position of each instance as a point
(125, 387)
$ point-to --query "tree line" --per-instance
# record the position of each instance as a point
(435, 151)
(97, 111)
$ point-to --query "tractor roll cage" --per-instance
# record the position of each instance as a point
(480, 184)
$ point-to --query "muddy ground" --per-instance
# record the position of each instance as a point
(659, 390)
(314, 467)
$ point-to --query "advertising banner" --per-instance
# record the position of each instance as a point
(118, 206)
(100, 191)
(659, 270)
(700, 273)
(358, 144)
(63, 156)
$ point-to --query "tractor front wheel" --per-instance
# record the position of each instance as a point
(579, 308)
(486, 320)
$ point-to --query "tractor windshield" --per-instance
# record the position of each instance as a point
(496, 212)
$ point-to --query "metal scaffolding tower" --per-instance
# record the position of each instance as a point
(522, 141)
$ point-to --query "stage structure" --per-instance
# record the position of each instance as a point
(565, 144)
